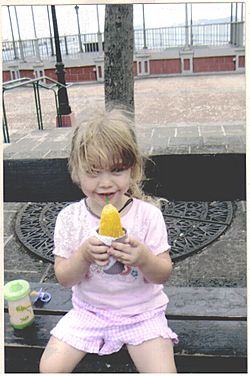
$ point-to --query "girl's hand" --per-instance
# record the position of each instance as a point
(93, 250)
(131, 252)
(155, 268)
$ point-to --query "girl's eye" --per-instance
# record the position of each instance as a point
(117, 170)
(92, 173)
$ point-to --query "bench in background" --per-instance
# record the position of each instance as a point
(187, 177)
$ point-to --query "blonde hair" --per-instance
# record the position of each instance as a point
(108, 140)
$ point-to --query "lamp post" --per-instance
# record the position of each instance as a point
(12, 33)
(186, 27)
(33, 20)
(19, 36)
(231, 24)
(51, 41)
(36, 40)
(191, 25)
(144, 30)
(99, 35)
(64, 107)
(98, 22)
(78, 25)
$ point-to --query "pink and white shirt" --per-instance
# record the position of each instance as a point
(127, 292)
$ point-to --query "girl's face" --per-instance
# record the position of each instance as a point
(106, 183)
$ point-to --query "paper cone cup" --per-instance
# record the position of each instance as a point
(113, 266)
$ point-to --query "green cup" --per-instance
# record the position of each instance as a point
(17, 293)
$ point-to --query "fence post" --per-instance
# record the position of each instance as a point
(99, 39)
(37, 49)
(240, 34)
(186, 27)
(66, 45)
(144, 29)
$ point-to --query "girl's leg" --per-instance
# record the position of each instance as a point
(59, 357)
(153, 356)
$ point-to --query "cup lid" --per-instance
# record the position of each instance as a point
(17, 289)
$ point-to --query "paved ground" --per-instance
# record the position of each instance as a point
(201, 114)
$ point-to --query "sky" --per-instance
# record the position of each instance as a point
(156, 15)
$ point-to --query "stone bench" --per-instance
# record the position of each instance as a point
(210, 322)
(192, 177)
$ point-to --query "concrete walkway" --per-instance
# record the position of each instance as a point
(174, 115)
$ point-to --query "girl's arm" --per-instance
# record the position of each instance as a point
(70, 271)
(155, 268)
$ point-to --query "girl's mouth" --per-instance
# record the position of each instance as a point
(106, 196)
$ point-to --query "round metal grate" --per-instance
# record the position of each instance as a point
(191, 225)
(194, 225)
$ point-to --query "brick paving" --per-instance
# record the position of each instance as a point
(173, 115)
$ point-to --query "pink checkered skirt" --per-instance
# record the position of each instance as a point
(102, 332)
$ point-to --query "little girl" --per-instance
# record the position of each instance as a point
(110, 310)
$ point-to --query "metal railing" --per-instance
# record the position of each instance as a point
(36, 84)
(220, 34)
(44, 48)
(215, 34)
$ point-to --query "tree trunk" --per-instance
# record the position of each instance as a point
(118, 56)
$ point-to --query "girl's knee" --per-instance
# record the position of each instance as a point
(59, 357)
(153, 356)
(172, 368)
(53, 366)
(44, 367)
(49, 365)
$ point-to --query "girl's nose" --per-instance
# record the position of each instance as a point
(105, 180)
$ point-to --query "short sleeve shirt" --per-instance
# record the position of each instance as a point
(128, 291)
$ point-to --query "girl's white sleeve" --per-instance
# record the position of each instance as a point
(156, 237)
(63, 244)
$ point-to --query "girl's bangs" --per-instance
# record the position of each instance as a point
(97, 158)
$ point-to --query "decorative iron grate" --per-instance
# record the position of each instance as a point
(191, 225)
(194, 225)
